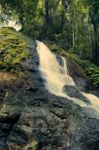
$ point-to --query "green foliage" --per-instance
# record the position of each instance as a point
(71, 24)
(53, 47)
(90, 69)
(26, 12)
(13, 49)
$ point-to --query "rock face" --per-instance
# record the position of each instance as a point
(33, 119)
(72, 91)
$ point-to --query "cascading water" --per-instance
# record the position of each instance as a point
(57, 77)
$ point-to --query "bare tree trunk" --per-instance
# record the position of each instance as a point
(95, 51)
(73, 42)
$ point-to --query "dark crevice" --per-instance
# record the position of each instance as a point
(94, 146)
(10, 119)
(6, 125)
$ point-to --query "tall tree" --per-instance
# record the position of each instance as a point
(94, 15)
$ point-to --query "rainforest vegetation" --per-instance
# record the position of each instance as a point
(72, 25)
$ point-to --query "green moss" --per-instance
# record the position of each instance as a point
(13, 49)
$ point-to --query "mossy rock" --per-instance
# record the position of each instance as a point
(13, 50)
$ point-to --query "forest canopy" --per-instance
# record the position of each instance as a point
(71, 24)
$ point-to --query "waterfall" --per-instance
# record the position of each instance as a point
(57, 76)
(11, 23)
(52, 71)
(65, 66)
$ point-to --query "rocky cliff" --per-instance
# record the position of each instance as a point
(31, 118)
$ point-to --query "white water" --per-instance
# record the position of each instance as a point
(65, 67)
(57, 76)
(11, 23)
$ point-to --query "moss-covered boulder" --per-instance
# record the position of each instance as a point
(13, 50)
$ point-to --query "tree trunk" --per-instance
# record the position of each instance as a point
(73, 41)
(47, 18)
(62, 19)
(95, 51)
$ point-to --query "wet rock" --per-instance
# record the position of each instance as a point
(31, 118)
(72, 91)
(79, 76)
